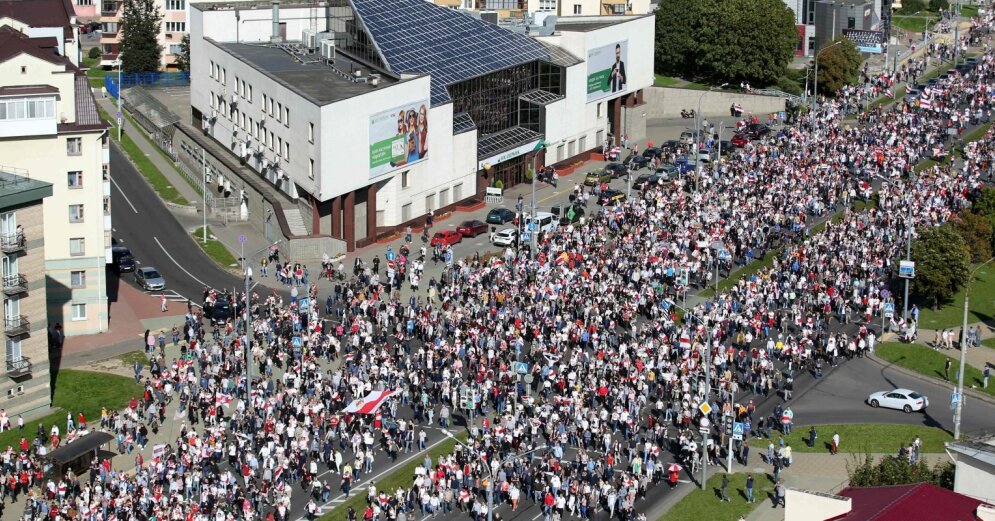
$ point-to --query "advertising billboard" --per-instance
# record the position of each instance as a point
(398, 137)
(866, 41)
(606, 74)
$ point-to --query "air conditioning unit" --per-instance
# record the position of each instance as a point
(205, 124)
(244, 148)
(358, 73)
(328, 50)
(234, 100)
(214, 115)
(264, 163)
(309, 39)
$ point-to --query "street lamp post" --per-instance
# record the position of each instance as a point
(708, 384)
(963, 353)
(908, 254)
(815, 82)
(490, 472)
(203, 159)
(697, 135)
(120, 91)
(247, 273)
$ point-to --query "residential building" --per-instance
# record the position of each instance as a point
(24, 381)
(885, 503)
(172, 30)
(51, 21)
(332, 107)
(49, 126)
(975, 467)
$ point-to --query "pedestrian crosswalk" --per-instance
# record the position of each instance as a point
(173, 296)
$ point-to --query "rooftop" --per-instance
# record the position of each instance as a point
(317, 81)
(41, 13)
(583, 24)
(907, 502)
(17, 189)
(982, 449)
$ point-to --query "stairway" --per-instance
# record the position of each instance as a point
(295, 222)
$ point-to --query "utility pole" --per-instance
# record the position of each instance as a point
(958, 410)
(708, 391)
(908, 257)
(203, 159)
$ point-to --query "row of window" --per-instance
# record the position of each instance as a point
(176, 27)
(255, 129)
(16, 109)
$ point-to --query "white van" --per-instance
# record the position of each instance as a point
(547, 222)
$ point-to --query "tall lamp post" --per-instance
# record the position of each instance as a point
(708, 383)
(203, 186)
(815, 88)
(963, 352)
(120, 91)
(247, 273)
(697, 134)
(490, 473)
(535, 173)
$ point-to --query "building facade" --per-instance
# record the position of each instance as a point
(172, 29)
(24, 382)
(372, 123)
(52, 21)
(49, 126)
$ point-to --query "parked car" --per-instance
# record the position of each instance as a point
(687, 137)
(757, 130)
(646, 180)
(121, 259)
(616, 170)
(636, 162)
(218, 312)
(903, 399)
(651, 152)
(668, 171)
(596, 177)
(739, 140)
(563, 213)
(670, 145)
(446, 238)
(727, 148)
(611, 197)
(500, 216)
(505, 237)
(149, 279)
(471, 228)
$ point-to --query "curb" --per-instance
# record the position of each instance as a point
(908, 372)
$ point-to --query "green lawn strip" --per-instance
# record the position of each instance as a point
(403, 477)
(196, 187)
(214, 249)
(942, 69)
(951, 313)
(702, 504)
(928, 362)
(866, 438)
(678, 83)
(975, 135)
(159, 183)
(885, 99)
(76, 391)
(129, 359)
(988, 342)
(915, 24)
(969, 11)
(96, 73)
(923, 165)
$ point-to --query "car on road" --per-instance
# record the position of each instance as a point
(757, 130)
(565, 216)
(668, 171)
(687, 137)
(594, 178)
(651, 152)
(645, 181)
(726, 148)
(446, 238)
(218, 312)
(472, 228)
(902, 399)
(121, 259)
(500, 216)
(149, 279)
(611, 197)
(616, 170)
(670, 145)
(505, 237)
(637, 162)
(739, 140)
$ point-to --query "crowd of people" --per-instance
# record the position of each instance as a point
(607, 407)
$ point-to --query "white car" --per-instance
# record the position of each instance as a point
(505, 237)
(904, 399)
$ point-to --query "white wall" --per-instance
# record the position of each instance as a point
(803, 505)
(974, 478)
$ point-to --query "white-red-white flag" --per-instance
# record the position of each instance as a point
(370, 403)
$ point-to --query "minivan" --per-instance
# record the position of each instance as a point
(547, 222)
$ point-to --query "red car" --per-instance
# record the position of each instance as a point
(740, 140)
(471, 228)
(446, 238)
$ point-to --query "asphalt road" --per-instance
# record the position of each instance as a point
(143, 223)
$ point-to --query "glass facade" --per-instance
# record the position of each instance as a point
(492, 100)
(350, 36)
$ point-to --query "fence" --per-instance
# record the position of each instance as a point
(149, 79)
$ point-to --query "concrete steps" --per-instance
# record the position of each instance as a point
(295, 221)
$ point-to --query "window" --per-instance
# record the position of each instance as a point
(78, 279)
(175, 48)
(600, 105)
(547, 5)
(224, 74)
(272, 140)
(310, 132)
(279, 146)
(79, 312)
(14, 349)
(74, 146)
(176, 5)
(286, 151)
(270, 107)
(279, 111)
(310, 168)
(107, 205)
(213, 75)
(576, 8)
(404, 179)
(13, 109)
(109, 27)
(851, 22)
(109, 7)
(286, 116)
(75, 213)
(77, 246)
(238, 86)
(84, 2)
(248, 94)
(177, 27)
(76, 179)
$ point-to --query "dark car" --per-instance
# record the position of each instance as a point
(637, 162)
(670, 145)
(645, 181)
(757, 130)
(651, 152)
(616, 170)
(472, 228)
(121, 259)
(727, 147)
(500, 216)
(611, 197)
(668, 171)
(219, 311)
(565, 215)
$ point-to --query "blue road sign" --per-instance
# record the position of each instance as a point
(297, 342)
(533, 226)
(521, 367)
(954, 399)
(390, 255)
(889, 309)
(241, 239)
(527, 236)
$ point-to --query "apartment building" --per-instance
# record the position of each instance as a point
(49, 126)
(24, 382)
(174, 27)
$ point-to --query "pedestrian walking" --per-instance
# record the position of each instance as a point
(779, 494)
(725, 487)
(749, 488)
(163, 302)
(835, 446)
(946, 369)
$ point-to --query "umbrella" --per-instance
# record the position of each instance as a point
(673, 467)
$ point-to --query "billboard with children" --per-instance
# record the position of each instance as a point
(398, 137)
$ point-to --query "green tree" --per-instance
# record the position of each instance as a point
(94, 53)
(942, 259)
(729, 40)
(183, 57)
(976, 230)
(912, 6)
(984, 205)
(838, 66)
(140, 24)
(893, 470)
(939, 5)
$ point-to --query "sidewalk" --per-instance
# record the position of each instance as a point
(979, 357)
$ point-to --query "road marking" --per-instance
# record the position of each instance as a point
(120, 191)
(537, 516)
(178, 265)
(548, 197)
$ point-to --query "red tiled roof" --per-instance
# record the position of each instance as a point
(14, 43)
(907, 503)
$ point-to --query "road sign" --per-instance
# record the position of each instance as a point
(705, 408)
(737, 430)
(907, 269)
(297, 342)
(521, 367)
(533, 226)
(241, 239)
(527, 236)
(724, 254)
(954, 399)
(390, 255)
(889, 309)
(304, 303)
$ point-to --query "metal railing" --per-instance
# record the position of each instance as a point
(18, 367)
(12, 242)
(15, 284)
(17, 325)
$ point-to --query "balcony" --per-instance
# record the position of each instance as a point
(16, 326)
(109, 8)
(19, 367)
(14, 284)
(12, 242)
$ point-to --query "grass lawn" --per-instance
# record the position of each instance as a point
(915, 24)
(969, 11)
(96, 73)
(672, 81)
(148, 170)
(403, 477)
(884, 100)
(76, 391)
(214, 249)
(928, 362)
(705, 504)
(989, 342)
(129, 359)
(976, 134)
(873, 438)
(951, 314)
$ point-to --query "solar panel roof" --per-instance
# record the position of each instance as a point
(417, 37)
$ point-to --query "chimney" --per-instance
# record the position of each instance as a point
(275, 37)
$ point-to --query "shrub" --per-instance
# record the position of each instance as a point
(94, 53)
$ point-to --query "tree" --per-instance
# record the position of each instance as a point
(976, 230)
(942, 259)
(183, 57)
(912, 6)
(838, 66)
(892, 470)
(939, 5)
(729, 40)
(140, 49)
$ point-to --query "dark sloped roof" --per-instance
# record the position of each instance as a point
(14, 43)
(417, 37)
(81, 446)
(908, 502)
(87, 116)
(38, 13)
